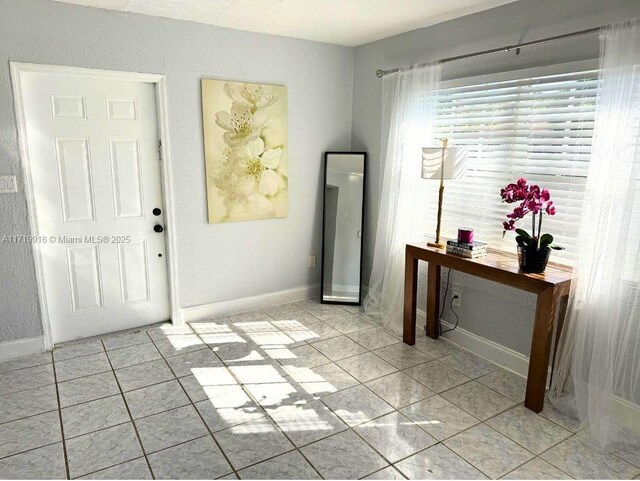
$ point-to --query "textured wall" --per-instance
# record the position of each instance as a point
(489, 310)
(216, 262)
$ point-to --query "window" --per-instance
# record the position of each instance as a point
(540, 128)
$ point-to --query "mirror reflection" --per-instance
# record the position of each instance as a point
(342, 234)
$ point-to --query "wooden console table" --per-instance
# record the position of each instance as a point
(552, 288)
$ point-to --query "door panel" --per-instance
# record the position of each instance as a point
(134, 271)
(68, 107)
(93, 149)
(127, 187)
(76, 184)
(84, 276)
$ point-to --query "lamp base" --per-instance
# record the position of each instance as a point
(434, 244)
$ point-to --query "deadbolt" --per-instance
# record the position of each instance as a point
(157, 211)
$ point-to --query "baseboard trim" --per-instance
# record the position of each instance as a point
(223, 308)
(503, 356)
(21, 347)
(627, 413)
(623, 410)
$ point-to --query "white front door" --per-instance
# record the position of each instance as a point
(95, 169)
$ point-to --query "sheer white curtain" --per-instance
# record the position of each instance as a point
(598, 371)
(409, 111)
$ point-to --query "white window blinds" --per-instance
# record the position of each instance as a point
(539, 128)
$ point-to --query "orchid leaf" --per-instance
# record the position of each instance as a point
(524, 234)
(545, 240)
(556, 248)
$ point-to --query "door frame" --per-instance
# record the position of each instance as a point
(159, 82)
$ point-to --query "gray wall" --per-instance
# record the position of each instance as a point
(489, 310)
(216, 262)
(222, 262)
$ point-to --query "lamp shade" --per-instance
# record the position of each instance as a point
(455, 160)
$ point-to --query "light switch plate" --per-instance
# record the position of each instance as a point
(8, 184)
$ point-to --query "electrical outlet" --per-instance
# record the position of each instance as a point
(8, 184)
(311, 262)
(457, 299)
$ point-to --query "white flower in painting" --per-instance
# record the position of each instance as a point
(256, 169)
(255, 96)
(240, 123)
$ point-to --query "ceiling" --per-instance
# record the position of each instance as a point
(343, 22)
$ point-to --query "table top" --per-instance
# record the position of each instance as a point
(498, 266)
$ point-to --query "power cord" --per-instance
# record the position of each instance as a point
(444, 303)
(454, 313)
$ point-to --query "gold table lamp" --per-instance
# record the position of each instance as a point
(442, 163)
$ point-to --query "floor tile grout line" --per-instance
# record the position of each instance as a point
(109, 335)
(76, 357)
(211, 433)
(506, 436)
(106, 352)
(353, 428)
(99, 429)
(102, 398)
(64, 442)
(29, 450)
(439, 393)
(115, 394)
(28, 389)
(3, 373)
(438, 441)
(135, 428)
(536, 457)
(91, 400)
(472, 379)
(554, 422)
(361, 383)
(86, 375)
(573, 435)
(397, 410)
(39, 413)
(477, 467)
(621, 459)
(382, 469)
(189, 401)
(111, 369)
(108, 467)
(272, 420)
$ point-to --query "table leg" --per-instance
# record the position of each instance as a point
(562, 312)
(540, 349)
(433, 300)
(410, 286)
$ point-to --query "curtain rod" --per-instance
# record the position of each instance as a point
(507, 48)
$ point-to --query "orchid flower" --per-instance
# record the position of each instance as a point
(532, 200)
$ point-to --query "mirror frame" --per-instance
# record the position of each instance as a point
(324, 219)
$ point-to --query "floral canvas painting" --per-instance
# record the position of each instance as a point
(245, 145)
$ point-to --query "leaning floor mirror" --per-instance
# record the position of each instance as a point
(343, 223)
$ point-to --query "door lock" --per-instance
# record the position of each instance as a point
(157, 211)
(158, 228)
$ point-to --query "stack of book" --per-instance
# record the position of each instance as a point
(471, 251)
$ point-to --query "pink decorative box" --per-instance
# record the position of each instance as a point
(465, 235)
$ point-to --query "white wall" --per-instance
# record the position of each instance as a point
(216, 262)
(489, 310)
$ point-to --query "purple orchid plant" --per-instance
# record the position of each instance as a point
(531, 199)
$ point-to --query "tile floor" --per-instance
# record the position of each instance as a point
(301, 391)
